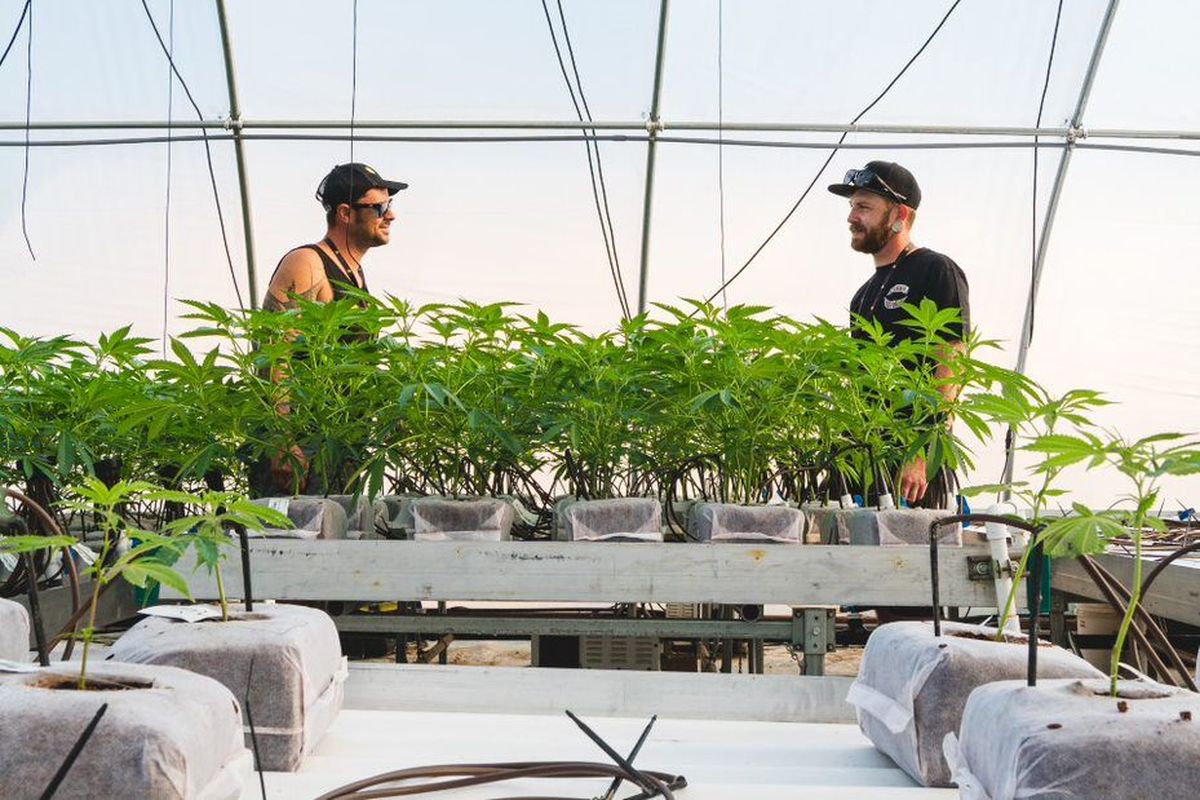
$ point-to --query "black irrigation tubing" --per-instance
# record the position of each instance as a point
(76, 749)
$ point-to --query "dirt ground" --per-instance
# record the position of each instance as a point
(777, 660)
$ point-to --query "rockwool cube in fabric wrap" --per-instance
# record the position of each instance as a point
(620, 519)
(312, 518)
(844, 525)
(903, 526)
(727, 522)
(912, 686)
(14, 631)
(363, 517)
(484, 519)
(296, 688)
(1069, 739)
(179, 739)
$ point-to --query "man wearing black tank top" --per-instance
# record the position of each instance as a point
(358, 216)
(884, 197)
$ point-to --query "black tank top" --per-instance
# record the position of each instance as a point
(338, 280)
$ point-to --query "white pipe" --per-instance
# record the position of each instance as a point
(997, 537)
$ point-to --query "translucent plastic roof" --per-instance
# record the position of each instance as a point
(515, 220)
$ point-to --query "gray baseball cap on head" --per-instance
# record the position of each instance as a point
(345, 183)
(884, 178)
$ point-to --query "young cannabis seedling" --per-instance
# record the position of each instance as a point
(209, 531)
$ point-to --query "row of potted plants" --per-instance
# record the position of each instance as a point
(482, 400)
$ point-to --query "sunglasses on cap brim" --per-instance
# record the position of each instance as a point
(869, 179)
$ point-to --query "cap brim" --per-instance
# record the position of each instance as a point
(392, 186)
(843, 189)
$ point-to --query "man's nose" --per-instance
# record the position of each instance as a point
(389, 215)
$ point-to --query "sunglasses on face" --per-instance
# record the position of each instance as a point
(380, 209)
(867, 179)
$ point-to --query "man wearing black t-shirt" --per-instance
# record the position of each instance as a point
(884, 197)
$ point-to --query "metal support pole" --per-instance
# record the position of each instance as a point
(235, 125)
(1085, 92)
(654, 125)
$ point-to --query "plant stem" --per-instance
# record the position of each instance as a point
(87, 631)
(1135, 596)
(221, 592)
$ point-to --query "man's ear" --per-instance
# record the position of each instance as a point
(343, 213)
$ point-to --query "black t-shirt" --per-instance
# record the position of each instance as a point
(920, 274)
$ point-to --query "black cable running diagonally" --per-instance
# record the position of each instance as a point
(834, 152)
(212, 175)
(1033, 226)
(609, 245)
(16, 31)
(612, 234)
(28, 109)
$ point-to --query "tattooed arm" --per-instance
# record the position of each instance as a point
(299, 274)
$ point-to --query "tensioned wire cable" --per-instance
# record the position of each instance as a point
(791, 212)
(167, 204)
(588, 140)
(721, 140)
(28, 109)
(612, 234)
(212, 175)
(1033, 226)
(1033, 244)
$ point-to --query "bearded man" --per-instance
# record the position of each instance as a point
(884, 197)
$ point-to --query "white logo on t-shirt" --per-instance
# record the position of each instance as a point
(896, 295)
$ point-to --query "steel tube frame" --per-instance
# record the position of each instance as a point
(1085, 91)
(239, 152)
(653, 126)
(1061, 132)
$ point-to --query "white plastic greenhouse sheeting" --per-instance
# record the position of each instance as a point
(1117, 306)
(722, 757)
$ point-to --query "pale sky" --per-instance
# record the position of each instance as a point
(515, 221)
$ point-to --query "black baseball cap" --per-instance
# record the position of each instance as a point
(345, 183)
(884, 178)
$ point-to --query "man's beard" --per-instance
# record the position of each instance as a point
(873, 239)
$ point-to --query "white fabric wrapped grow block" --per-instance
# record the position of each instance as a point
(296, 688)
(483, 519)
(901, 526)
(312, 517)
(364, 518)
(843, 525)
(726, 522)
(912, 686)
(637, 519)
(14, 631)
(1069, 739)
(179, 737)
(890, 528)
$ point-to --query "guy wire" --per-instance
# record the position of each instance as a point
(212, 175)
(834, 152)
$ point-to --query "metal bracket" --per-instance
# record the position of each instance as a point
(814, 634)
(980, 568)
(985, 568)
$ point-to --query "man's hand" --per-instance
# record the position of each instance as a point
(282, 468)
(912, 481)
